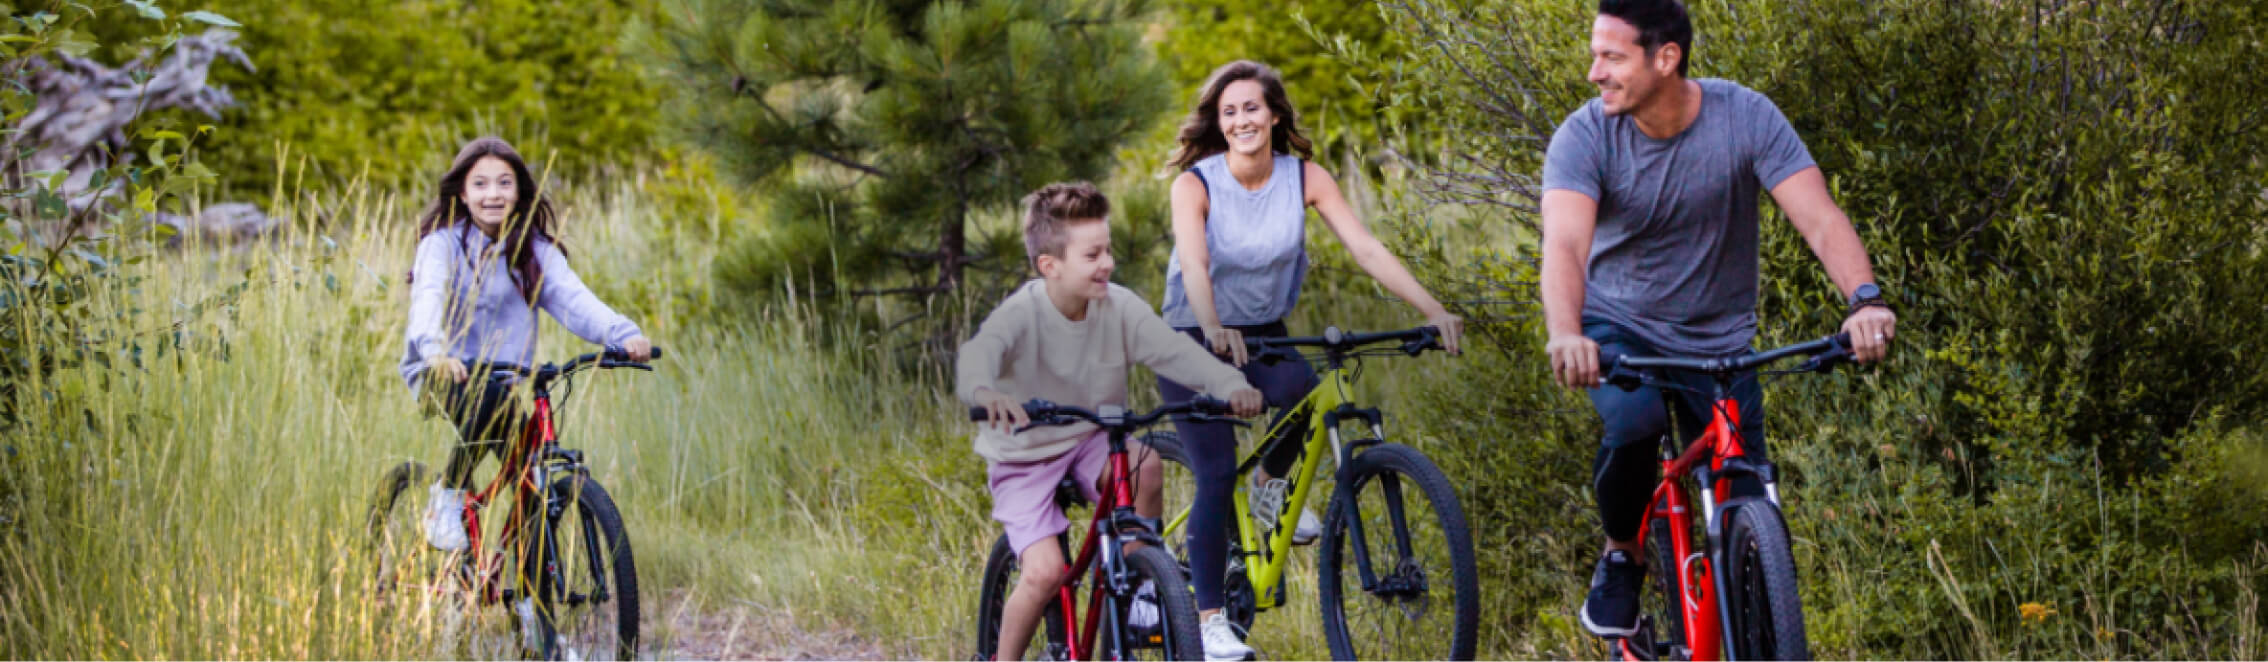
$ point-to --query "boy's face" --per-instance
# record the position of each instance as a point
(1084, 268)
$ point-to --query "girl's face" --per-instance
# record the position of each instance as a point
(1245, 119)
(491, 188)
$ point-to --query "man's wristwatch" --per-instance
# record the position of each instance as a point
(1867, 295)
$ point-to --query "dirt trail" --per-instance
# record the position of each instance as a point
(739, 630)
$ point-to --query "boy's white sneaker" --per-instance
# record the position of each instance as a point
(1142, 615)
(445, 518)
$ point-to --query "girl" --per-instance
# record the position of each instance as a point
(1239, 257)
(486, 260)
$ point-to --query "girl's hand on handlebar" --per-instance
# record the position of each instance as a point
(1246, 402)
(639, 348)
(448, 367)
(1005, 411)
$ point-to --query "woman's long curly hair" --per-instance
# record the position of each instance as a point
(531, 216)
(1201, 131)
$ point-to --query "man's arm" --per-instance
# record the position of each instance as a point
(1569, 219)
(1803, 197)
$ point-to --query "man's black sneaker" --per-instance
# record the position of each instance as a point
(1612, 608)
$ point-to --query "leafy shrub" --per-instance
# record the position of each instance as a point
(2062, 201)
(389, 91)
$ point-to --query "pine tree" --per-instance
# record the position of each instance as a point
(901, 118)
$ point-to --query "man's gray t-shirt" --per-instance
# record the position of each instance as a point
(1673, 259)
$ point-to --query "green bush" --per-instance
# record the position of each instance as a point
(390, 90)
(2064, 202)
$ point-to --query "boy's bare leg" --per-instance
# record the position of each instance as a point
(1043, 571)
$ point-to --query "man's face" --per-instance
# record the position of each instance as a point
(1626, 74)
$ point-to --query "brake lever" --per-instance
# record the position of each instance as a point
(625, 364)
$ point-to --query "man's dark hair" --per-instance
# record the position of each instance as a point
(1658, 22)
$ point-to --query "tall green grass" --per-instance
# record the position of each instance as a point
(784, 471)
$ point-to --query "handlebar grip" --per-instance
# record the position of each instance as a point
(1211, 406)
(980, 414)
(617, 353)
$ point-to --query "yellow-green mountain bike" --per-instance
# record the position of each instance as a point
(1397, 574)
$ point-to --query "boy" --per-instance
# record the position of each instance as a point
(1067, 337)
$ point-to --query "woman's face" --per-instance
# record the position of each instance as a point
(1245, 119)
(491, 188)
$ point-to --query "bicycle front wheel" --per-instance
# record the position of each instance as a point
(588, 606)
(1049, 641)
(1399, 581)
(1175, 633)
(1765, 612)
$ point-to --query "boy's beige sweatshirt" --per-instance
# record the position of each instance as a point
(1027, 349)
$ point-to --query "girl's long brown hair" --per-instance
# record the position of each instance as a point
(1201, 131)
(531, 215)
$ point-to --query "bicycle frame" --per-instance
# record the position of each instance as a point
(527, 475)
(1116, 506)
(1698, 581)
(1324, 408)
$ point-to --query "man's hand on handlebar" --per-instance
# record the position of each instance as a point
(1574, 360)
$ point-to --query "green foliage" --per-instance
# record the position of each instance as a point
(1335, 108)
(2060, 199)
(61, 272)
(389, 91)
(57, 262)
(885, 127)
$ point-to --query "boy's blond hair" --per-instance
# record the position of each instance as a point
(1053, 208)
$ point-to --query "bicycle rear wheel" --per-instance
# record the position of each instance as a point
(1399, 580)
(588, 606)
(1001, 572)
(1663, 601)
(1765, 611)
(400, 557)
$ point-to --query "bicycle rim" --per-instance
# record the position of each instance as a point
(1418, 599)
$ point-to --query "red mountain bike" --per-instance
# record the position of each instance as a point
(1735, 597)
(573, 588)
(1117, 573)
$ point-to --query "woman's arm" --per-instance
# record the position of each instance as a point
(1323, 194)
(1189, 208)
(573, 304)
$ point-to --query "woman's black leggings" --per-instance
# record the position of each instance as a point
(486, 417)
(1211, 448)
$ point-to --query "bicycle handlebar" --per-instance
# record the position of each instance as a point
(610, 357)
(1112, 417)
(1414, 341)
(1825, 354)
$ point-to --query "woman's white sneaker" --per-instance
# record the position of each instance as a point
(1221, 641)
(445, 518)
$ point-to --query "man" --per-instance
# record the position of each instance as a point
(1650, 248)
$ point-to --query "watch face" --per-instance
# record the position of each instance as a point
(1867, 291)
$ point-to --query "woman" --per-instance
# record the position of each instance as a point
(1239, 257)
(486, 260)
